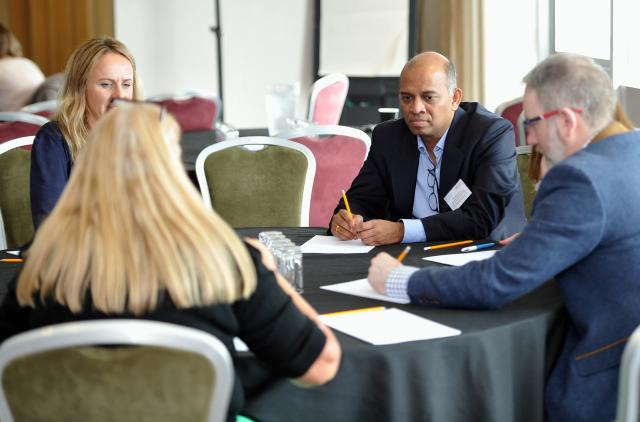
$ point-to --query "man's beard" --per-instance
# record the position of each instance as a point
(555, 150)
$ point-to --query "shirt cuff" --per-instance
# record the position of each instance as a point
(397, 282)
(413, 231)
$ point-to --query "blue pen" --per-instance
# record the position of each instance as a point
(478, 247)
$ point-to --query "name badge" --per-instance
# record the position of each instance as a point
(457, 195)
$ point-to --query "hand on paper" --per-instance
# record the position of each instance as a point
(379, 269)
(381, 232)
(345, 227)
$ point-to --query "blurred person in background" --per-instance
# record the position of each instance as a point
(19, 76)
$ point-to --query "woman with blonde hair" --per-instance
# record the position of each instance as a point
(99, 71)
(138, 242)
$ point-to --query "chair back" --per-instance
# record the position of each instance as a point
(513, 112)
(340, 152)
(528, 186)
(328, 95)
(43, 108)
(195, 110)
(629, 381)
(18, 124)
(16, 225)
(62, 372)
(257, 181)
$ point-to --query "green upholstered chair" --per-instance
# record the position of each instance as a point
(16, 226)
(340, 152)
(527, 185)
(257, 181)
(152, 371)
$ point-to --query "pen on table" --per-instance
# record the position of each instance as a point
(403, 254)
(356, 311)
(446, 245)
(11, 260)
(478, 247)
(346, 203)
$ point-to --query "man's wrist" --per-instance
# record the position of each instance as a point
(413, 231)
(397, 281)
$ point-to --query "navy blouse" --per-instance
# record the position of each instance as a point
(50, 169)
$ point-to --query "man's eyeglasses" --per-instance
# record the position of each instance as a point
(527, 123)
(119, 102)
(432, 182)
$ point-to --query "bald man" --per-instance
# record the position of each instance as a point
(446, 171)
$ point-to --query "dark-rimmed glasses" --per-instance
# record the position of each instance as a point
(432, 182)
(121, 102)
(527, 123)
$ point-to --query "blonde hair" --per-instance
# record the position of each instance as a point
(72, 108)
(130, 226)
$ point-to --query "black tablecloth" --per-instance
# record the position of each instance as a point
(493, 371)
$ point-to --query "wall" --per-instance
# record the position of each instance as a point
(511, 47)
(50, 31)
(263, 42)
(171, 42)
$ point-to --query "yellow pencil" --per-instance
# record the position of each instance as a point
(11, 260)
(404, 253)
(356, 311)
(346, 203)
(446, 245)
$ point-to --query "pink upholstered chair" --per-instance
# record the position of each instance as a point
(328, 95)
(18, 124)
(512, 111)
(195, 110)
(339, 152)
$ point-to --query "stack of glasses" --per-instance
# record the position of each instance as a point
(288, 256)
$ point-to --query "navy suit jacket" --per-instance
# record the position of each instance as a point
(584, 231)
(480, 150)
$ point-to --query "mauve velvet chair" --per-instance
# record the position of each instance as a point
(340, 152)
(328, 95)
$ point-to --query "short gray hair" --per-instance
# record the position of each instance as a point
(450, 70)
(571, 80)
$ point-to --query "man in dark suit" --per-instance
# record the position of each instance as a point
(446, 171)
(583, 231)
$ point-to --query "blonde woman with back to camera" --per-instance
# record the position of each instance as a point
(139, 243)
(99, 71)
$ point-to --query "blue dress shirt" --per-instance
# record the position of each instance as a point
(413, 228)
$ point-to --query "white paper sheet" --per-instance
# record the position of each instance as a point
(360, 288)
(16, 253)
(460, 258)
(331, 244)
(388, 326)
